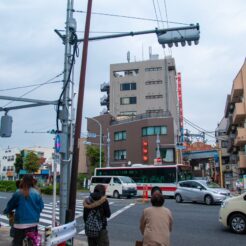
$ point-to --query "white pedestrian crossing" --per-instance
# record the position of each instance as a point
(46, 215)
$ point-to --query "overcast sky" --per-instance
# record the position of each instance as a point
(31, 53)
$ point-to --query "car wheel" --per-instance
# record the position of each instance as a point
(178, 198)
(116, 194)
(237, 223)
(208, 200)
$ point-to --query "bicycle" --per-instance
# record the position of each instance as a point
(32, 239)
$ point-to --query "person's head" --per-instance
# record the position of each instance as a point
(26, 184)
(157, 199)
(100, 189)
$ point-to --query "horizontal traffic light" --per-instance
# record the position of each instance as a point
(181, 35)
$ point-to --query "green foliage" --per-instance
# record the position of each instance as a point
(31, 162)
(7, 185)
(48, 190)
(18, 163)
(93, 154)
(80, 180)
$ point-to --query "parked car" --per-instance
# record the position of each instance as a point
(200, 191)
(233, 213)
(116, 186)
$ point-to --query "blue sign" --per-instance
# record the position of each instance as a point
(58, 143)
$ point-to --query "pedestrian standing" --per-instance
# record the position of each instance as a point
(156, 222)
(96, 212)
(28, 204)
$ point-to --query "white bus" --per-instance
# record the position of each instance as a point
(163, 178)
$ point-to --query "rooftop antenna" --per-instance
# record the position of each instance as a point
(128, 56)
(150, 52)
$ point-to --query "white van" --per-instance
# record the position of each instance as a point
(115, 186)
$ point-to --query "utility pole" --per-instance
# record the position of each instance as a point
(64, 115)
(70, 214)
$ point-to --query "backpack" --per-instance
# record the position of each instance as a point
(93, 224)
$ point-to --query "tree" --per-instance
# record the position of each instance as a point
(18, 163)
(93, 154)
(31, 162)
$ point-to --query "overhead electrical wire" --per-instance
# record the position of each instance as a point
(38, 86)
(130, 17)
(157, 20)
(28, 86)
(198, 128)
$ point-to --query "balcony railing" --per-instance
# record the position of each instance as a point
(239, 113)
(237, 89)
(242, 159)
(240, 137)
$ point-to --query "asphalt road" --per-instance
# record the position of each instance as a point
(194, 224)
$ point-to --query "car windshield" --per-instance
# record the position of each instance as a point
(210, 184)
(126, 179)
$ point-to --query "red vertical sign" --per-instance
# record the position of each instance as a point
(181, 119)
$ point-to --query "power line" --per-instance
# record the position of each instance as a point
(27, 86)
(129, 17)
(153, 1)
(38, 86)
(198, 128)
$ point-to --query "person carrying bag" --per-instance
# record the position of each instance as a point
(96, 212)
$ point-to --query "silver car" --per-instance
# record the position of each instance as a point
(200, 191)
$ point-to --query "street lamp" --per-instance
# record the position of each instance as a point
(100, 142)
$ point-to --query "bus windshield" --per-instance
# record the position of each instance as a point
(184, 173)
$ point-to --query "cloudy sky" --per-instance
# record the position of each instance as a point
(31, 53)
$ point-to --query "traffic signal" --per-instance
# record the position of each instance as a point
(181, 35)
(145, 150)
(6, 126)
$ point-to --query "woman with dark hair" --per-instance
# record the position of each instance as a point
(28, 204)
(96, 212)
(156, 222)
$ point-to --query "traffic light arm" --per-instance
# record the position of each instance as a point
(157, 31)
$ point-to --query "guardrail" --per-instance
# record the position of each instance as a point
(60, 234)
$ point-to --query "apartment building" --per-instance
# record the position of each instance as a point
(7, 160)
(143, 87)
(235, 114)
(141, 122)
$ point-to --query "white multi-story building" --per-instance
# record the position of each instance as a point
(7, 160)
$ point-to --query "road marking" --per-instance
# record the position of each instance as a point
(3, 197)
(113, 215)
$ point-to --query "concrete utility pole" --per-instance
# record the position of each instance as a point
(64, 115)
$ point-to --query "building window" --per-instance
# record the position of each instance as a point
(120, 155)
(154, 96)
(153, 82)
(154, 130)
(151, 69)
(224, 144)
(128, 100)
(128, 113)
(118, 136)
(154, 111)
(128, 86)
(4, 169)
(123, 73)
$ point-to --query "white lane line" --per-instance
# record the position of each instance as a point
(3, 197)
(113, 215)
(81, 214)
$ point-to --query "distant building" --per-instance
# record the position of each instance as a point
(141, 122)
(7, 160)
(235, 115)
